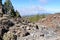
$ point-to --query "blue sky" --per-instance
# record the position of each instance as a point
(31, 7)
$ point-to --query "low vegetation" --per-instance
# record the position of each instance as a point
(37, 17)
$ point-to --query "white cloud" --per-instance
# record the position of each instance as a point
(53, 10)
(32, 10)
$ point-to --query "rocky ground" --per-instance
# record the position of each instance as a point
(22, 29)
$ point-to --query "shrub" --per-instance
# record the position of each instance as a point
(35, 18)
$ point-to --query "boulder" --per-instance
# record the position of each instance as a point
(9, 36)
(18, 31)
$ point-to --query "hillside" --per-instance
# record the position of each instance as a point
(23, 29)
(52, 20)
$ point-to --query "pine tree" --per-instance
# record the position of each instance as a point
(17, 14)
(8, 5)
(10, 9)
